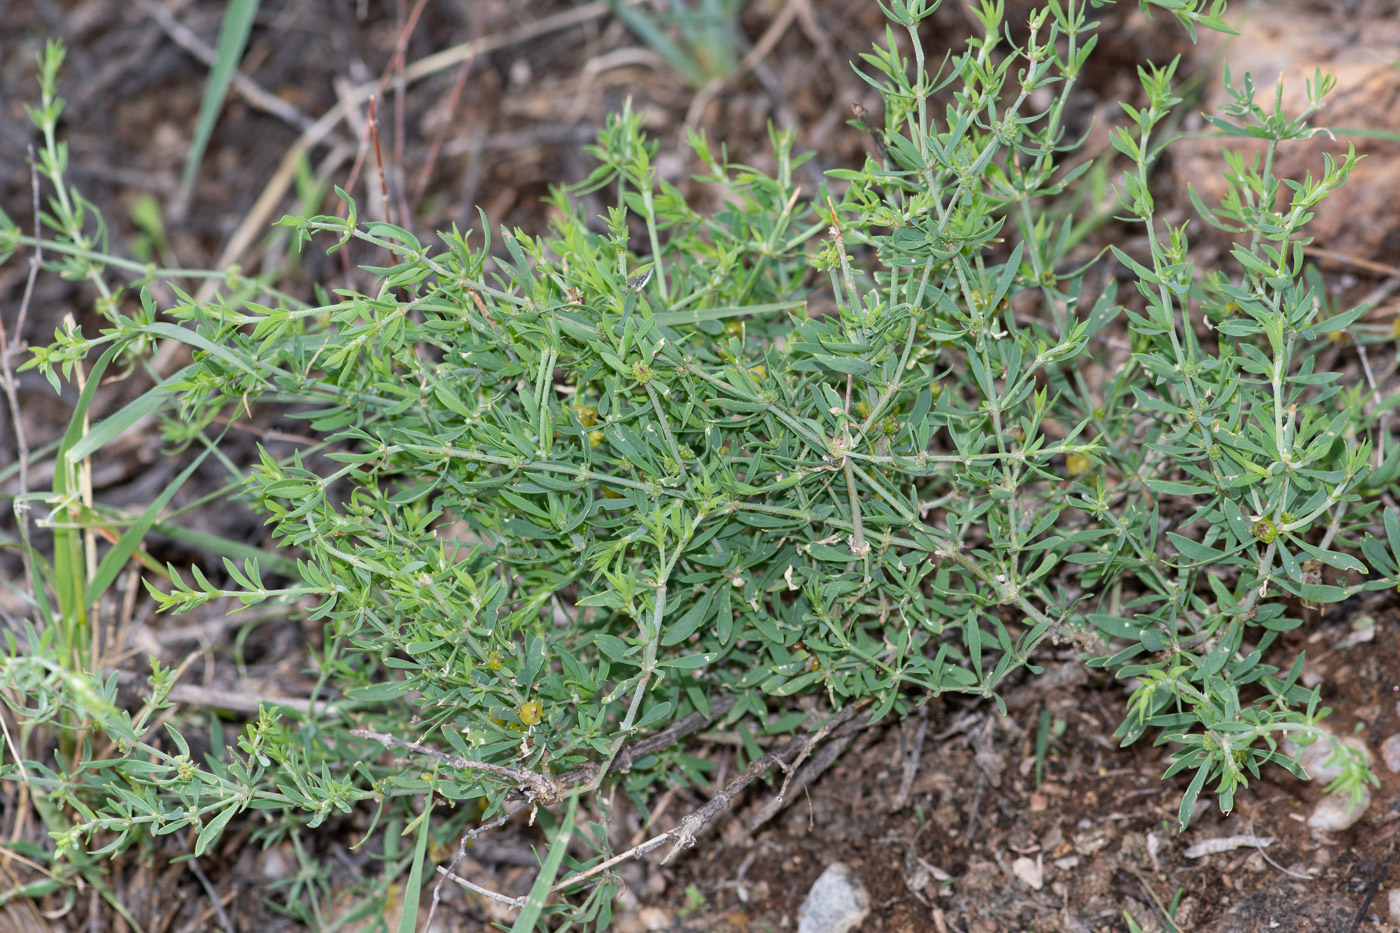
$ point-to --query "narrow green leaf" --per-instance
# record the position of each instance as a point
(199, 342)
(1169, 488)
(210, 831)
(1188, 800)
(1195, 550)
(539, 891)
(1330, 558)
(68, 566)
(118, 423)
(1143, 273)
(233, 37)
(115, 559)
(691, 661)
(649, 31)
(274, 561)
(413, 886)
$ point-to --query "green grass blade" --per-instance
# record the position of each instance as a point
(226, 547)
(233, 37)
(199, 342)
(413, 887)
(39, 570)
(116, 558)
(68, 565)
(539, 891)
(116, 424)
(649, 31)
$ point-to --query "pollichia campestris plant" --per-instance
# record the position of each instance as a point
(560, 507)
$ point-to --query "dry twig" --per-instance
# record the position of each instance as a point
(255, 221)
(459, 83)
(913, 751)
(246, 87)
(757, 54)
(542, 788)
(799, 777)
(461, 854)
(682, 835)
(8, 348)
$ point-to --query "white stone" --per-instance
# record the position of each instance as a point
(654, 918)
(837, 903)
(1314, 758)
(1335, 812)
(1031, 872)
(1390, 752)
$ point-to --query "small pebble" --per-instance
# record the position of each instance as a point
(1314, 758)
(1390, 752)
(277, 863)
(837, 903)
(654, 918)
(1335, 812)
(1395, 904)
(1030, 871)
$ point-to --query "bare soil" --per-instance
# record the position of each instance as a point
(950, 818)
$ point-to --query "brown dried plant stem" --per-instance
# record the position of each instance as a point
(682, 836)
(10, 386)
(542, 788)
(255, 221)
(667, 738)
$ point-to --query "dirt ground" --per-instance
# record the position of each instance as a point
(950, 819)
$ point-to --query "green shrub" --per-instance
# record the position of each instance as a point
(649, 465)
